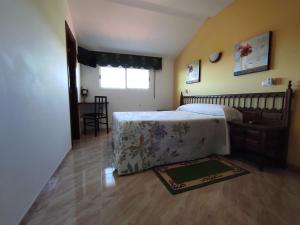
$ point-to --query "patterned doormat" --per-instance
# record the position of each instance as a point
(186, 176)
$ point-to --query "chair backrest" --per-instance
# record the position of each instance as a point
(100, 104)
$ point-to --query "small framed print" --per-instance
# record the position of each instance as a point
(193, 72)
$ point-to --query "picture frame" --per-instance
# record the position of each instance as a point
(193, 72)
(253, 55)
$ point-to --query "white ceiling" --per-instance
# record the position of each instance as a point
(149, 27)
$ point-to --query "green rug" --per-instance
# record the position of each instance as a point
(181, 177)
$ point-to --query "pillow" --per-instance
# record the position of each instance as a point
(207, 109)
(232, 114)
(213, 110)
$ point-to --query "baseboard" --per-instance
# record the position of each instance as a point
(24, 220)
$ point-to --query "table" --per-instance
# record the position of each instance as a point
(263, 141)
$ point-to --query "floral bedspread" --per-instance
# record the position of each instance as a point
(142, 140)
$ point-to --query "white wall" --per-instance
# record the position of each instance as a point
(34, 106)
(68, 18)
(78, 81)
(133, 100)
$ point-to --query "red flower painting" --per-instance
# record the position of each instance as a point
(245, 50)
(252, 55)
(190, 68)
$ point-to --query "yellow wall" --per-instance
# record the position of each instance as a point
(241, 20)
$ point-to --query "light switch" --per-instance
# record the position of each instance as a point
(267, 83)
(187, 91)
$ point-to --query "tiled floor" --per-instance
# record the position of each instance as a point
(85, 191)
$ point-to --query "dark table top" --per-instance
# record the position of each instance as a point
(259, 126)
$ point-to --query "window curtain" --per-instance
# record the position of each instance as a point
(93, 58)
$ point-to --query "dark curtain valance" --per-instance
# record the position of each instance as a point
(92, 58)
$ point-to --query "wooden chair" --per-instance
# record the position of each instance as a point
(100, 113)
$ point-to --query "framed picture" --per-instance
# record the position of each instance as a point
(253, 55)
(193, 72)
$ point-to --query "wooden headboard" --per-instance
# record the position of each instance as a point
(266, 107)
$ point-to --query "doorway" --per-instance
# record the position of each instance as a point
(73, 95)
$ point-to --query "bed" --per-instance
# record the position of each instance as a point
(198, 128)
(142, 140)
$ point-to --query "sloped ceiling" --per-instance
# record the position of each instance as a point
(149, 27)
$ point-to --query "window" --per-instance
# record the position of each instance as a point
(137, 78)
(112, 77)
(121, 78)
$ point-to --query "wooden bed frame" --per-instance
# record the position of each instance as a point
(265, 108)
(264, 131)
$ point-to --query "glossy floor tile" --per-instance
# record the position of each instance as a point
(85, 191)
